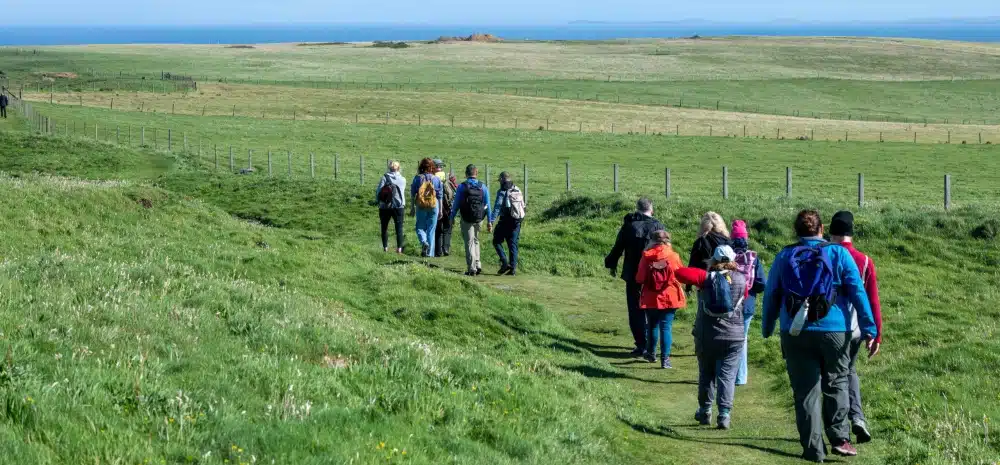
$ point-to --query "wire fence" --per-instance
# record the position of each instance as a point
(539, 178)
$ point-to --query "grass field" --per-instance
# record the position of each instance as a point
(155, 308)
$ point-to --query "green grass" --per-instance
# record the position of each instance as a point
(149, 305)
(895, 173)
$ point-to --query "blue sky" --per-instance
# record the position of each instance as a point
(473, 12)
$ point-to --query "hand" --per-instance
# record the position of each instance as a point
(873, 347)
(614, 272)
(489, 227)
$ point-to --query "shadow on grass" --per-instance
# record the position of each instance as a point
(599, 373)
(671, 433)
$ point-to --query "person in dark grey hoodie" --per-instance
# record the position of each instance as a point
(718, 338)
(634, 238)
(391, 204)
(3, 103)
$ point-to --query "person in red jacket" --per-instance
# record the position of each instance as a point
(842, 232)
(661, 295)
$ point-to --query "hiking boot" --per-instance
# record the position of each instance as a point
(479, 271)
(503, 270)
(845, 449)
(399, 251)
(665, 364)
(511, 271)
(385, 249)
(470, 273)
(649, 357)
(425, 250)
(723, 421)
(860, 429)
(703, 417)
(637, 352)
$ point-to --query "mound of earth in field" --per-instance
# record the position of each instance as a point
(61, 75)
(489, 38)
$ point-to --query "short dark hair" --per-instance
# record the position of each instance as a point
(471, 171)
(808, 223)
(644, 205)
(505, 177)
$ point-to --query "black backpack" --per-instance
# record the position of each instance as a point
(387, 193)
(473, 203)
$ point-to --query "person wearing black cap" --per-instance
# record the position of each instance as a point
(842, 233)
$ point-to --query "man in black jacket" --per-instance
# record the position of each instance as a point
(3, 103)
(633, 238)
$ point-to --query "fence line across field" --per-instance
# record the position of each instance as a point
(47, 125)
(799, 130)
(160, 84)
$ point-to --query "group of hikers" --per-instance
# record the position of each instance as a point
(822, 293)
(437, 200)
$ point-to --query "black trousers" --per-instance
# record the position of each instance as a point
(636, 315)
(442, 235)
(396, 216)
(3, 112)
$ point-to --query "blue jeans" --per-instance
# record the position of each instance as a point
(508, 230)
(426, 227)
(741, 373)
(662, 322)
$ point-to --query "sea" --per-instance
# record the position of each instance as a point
(985, 31)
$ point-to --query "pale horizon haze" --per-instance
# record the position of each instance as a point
(453, 12)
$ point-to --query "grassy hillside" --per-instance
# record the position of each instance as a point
(253, 339)
(894, 172)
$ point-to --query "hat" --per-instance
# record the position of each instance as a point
(439, 163)
(740, 230)
(724, 253)
(842, 224)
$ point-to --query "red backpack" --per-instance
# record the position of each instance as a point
(660, 276)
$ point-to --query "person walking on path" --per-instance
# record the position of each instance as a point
(748, 263)
(713, 233)
(633, 239)
(427, 193)
(391, 204)
(718, 332)
(472, 200)
(661, 296)
(3, 103)
(802, 292)
(842, 233)
(442, 238)
(508, 211)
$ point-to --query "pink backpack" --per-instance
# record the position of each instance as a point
(745, 265)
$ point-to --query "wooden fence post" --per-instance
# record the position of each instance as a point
(170, 141)
(725, 182)
(118, 135)
(568, 185)
(616, 177)
(947, 192)
(788, 182)
(524, 190)
(215, 148)
(269, 165)
(250, 159)
(336, 166)
(289, 163)
(861, 190)
(142, 136)
(312, 164)
(668, 183)
(361, 162)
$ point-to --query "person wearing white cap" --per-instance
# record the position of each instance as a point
(718, 332)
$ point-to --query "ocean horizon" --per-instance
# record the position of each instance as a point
(260, 34)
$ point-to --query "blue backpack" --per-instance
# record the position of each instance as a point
(718, 295)
(807, 281)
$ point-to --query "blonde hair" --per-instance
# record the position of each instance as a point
(713, 222)
(394, 166)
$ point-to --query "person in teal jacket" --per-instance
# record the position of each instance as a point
(818, 358)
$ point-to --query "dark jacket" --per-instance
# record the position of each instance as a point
(704, 248)
(3, 100)
(632, 241)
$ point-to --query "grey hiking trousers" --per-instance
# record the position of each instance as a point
(819, 370)
(718, 362)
